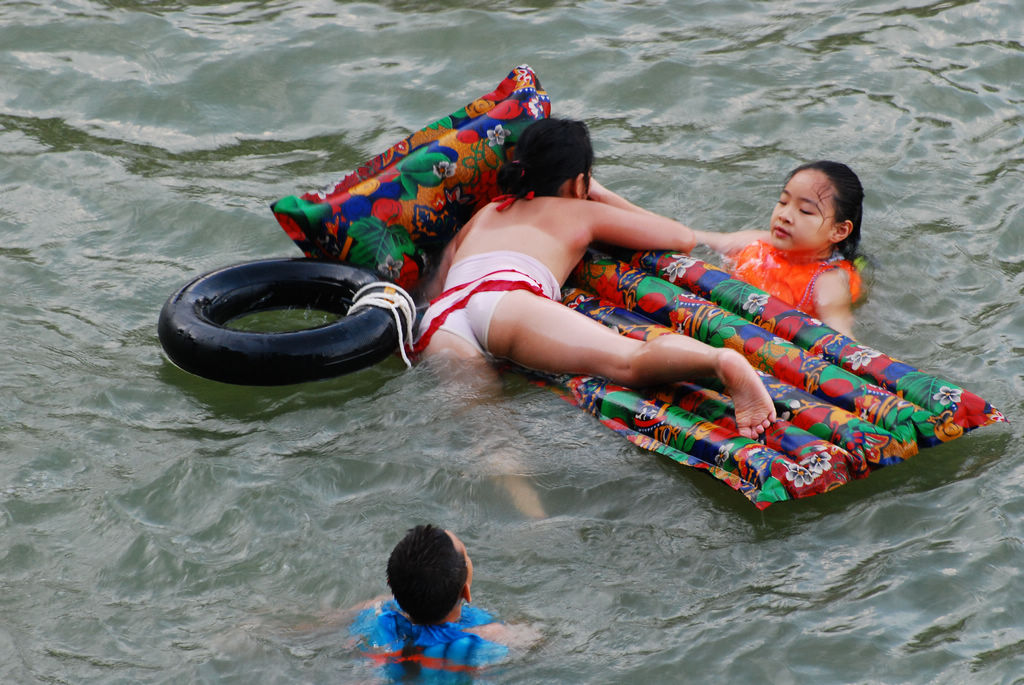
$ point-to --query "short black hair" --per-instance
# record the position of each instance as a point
(426, 574)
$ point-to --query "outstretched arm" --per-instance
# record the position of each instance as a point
(724, 243)
(598, 193)
(728, 243)
(832, 300)
(514, 635)
(617, 221)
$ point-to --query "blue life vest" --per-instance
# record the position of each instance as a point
(388, 635)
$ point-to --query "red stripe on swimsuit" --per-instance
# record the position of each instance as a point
(492, 285)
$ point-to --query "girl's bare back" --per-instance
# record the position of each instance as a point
(553, 231)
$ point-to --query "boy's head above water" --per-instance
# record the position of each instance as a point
(819, 210)
(429, 572)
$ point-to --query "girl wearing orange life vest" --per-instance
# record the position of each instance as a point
(806, 256)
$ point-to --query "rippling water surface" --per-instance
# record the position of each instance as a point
(158, 527)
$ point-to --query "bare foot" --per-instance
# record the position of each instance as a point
(505, 462)
(755, 410)
(523, 495)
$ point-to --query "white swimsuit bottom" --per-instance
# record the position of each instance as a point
(468, 314)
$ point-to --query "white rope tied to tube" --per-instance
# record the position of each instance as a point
(389, 296)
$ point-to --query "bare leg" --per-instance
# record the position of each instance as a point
(473, 369)
(482, 379)
(543, 334)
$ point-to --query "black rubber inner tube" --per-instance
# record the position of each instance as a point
(194, 333)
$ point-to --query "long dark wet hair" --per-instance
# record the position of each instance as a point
(548, 153)
(848, 199)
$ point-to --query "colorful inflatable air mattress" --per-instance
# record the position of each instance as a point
(844, 409)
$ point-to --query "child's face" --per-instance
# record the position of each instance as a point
(803, 220)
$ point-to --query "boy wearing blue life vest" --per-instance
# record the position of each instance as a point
(426, 626)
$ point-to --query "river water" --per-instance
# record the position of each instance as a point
(161, 528)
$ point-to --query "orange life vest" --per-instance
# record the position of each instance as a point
(770, 269)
